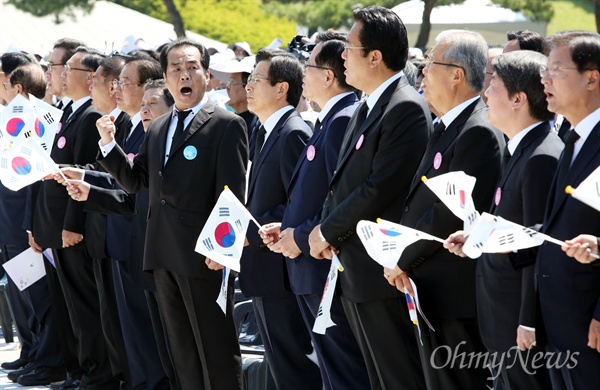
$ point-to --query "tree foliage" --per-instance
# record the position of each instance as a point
(58, 8)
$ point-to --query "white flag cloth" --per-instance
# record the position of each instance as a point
(323, 320)
(385, 241)
(46, 123)
(222, 238)
(18, 120)
(588, 190)
(24, 164)
(222, 298)
(455, 190)
(494, 234)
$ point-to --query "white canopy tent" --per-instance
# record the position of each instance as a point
(482, 16)
(105, 28)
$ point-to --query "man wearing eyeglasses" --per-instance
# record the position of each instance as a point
(340, 360)
(273, 90)
(462, 141)
(59, 222)
(569, 292)
(384, 142)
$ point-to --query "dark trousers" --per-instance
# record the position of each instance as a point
(202, 339)
(64, 328)
(386, 339)
(340, 360)
(142, 353)
(21, 312)
(76, 274)
(162, 340)
(449, 355)
(287, 343)
(111, 325)
(573, 370)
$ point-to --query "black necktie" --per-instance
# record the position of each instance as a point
(66, 112)
(181, 115)
(59, 105)
(435, 136)
(505, 157)
(260, 140)
(567, 156)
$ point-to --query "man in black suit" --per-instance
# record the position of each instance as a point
(59, 222)
(186, 159)
(462, 141)
(569, 292)
(273, 90)
(341, 363)
(506, 301)
(384, 143)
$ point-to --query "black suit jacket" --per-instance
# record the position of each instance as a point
(184, 191)
(569, 291)
(371, 181)
(96, 223)
(505, 282)
(307, 192)
(263, 272)
(446, 282)
(55, 211)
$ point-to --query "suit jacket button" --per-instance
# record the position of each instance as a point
(406, 209)
(163, 202)
(159, 173)
(330, 192)
(135, 212)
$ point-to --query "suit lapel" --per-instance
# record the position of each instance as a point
(578, 171)
(197, 122)
(317, 135)
(137, 133)
(375, 113)
(271, 140)
(71, 119)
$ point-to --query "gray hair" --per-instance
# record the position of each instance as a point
(469, 50)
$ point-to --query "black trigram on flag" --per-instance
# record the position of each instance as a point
(530, 232)
(28, 134)
(506, 239)
(388, 245)
(44, 146)
(472, 217)
(17, 109)
(49, 118)
(366, 231)
(208, 244)
(478, 245)
(319, 312)
(450, 189)
(223, 211)
(238, 225)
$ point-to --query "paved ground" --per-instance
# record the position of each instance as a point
(8, 353)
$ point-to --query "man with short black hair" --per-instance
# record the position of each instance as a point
(185, 160)
(384, 142)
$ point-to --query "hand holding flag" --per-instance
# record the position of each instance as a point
(222, 238)
(24, 164)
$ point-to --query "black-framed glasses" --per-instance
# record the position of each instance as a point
(556, 72)
(252, 79)
(307, 66)
(51, 65)
(69, 68)
(429, 62)
(121, 84)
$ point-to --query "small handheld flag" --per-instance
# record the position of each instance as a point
(24, 164)
(222, 238)
(323, 319)
(455, 190)
(588, 190)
